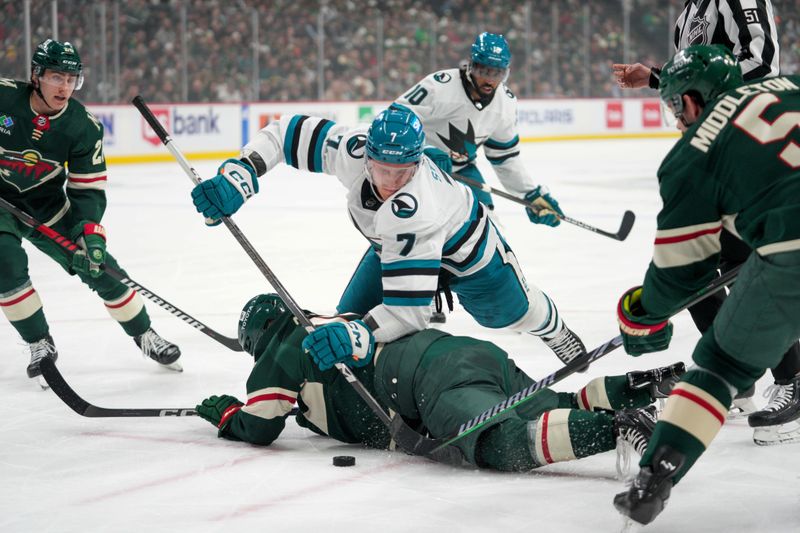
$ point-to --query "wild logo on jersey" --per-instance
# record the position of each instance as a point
(462, 145)
(28, 169)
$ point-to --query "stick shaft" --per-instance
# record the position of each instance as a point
(406, 438)
(71, 248)
(625, 227)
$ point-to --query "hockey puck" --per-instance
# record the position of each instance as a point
(344, 460)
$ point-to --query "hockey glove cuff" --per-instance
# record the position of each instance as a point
(226, 192)
(545, 209)
(351, 343)
(219, 410)
(440, 158)
(91, 237)
(640, 332)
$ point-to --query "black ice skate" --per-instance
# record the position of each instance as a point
(567, 346)
(779, 421)
(633, 429)
(39, 350)
(650, 490)
(159, 350)
(659, 381)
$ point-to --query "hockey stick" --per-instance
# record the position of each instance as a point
(573, 366)
(628, 218)
(68, 395)
(84, 408)
(405, 437)
(71, 249)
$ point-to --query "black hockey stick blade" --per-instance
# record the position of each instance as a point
(628, 218)
(626, 226)
(62, 389)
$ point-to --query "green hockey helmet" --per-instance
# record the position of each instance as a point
(256, 317)
(59, 57)
(706, 71)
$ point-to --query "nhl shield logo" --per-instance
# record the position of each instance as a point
(404, 205)
(697, 30)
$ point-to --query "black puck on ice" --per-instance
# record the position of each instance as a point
(344, 460)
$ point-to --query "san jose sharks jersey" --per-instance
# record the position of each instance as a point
(39, 154)
(432, 222)
(737, 167)
(453, 122)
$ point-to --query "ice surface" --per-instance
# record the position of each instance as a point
(60, 472)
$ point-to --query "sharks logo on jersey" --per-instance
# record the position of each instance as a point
(355, 146)
(404, 205)
(461, 144)
(28, 169)
(442, 77)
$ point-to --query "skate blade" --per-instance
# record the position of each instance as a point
(772, 435)
(174, 367)
(629, 525)
(741, 408)
(42, 382)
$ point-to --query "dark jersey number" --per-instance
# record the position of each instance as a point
(416, 95)
(409, 238)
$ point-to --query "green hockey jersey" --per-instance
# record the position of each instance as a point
(737, 167)
(39, 154)
(285, 376)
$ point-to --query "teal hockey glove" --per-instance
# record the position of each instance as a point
(218, 410)
(440, 158)
(547, 207)
(641, 333)
(351, 343)
(91, 238)
(226, 192)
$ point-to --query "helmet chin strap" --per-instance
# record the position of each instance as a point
(37, 87)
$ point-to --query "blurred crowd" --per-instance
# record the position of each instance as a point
(215, 50)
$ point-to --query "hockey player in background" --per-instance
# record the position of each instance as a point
(464, 108)
(416, 217)
(749, 31)
(737, 165)
(435, 381)
(43, 130)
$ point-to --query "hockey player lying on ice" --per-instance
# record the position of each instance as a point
(434, 380)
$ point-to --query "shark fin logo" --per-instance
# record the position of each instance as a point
(355, 146)
(404, 205)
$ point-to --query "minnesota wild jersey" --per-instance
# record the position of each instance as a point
(40, 153)
(737, 167)
(285, 376)
(453, 122)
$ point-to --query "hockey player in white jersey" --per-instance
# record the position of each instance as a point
(462, 109)
(416, 217)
